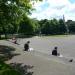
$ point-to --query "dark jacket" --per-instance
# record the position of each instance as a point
(54, 52)
(26, 46)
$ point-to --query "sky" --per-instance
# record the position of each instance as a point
(49, 9)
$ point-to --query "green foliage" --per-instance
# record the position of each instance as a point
(12, 68)
(12, 12)
(71, 26)
(26, 26)
(52, 26)
(62, 27)
(10, 72)
(36, 25)
(14, 19)
(7, 70)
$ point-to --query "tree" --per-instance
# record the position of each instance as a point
(36, 25)
(49, 26)
(46, 27)
(62, 27)
(12, 11)
(42, 26)
(52, 26)
(71, 26)
(26, 26)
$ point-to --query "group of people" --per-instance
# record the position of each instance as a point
(26, 48)
(54, 51)
(26, 45)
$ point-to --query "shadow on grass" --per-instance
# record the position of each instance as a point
(22, 69)
(7, 52)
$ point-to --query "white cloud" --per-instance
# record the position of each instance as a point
(58, 3)
(55, 9)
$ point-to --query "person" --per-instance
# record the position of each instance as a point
(26, 46)
(54, 52)
(14, 40)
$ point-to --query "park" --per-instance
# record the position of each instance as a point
(42, 60)
(43, 26)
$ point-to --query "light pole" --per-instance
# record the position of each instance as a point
(67, 29)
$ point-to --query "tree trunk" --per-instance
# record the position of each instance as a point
(4, 31)
(0, 36)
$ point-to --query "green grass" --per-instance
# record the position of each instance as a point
(5, 69)
(56, 36)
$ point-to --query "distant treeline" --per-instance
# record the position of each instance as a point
(14, 20)
(35, 27)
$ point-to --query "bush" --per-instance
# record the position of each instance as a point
(5, 69)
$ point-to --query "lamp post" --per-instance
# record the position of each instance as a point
(67, 29)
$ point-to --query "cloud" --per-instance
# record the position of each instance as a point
(49, 9)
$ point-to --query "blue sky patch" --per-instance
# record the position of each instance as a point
(45, 5)
(72, 1)
(55, 9)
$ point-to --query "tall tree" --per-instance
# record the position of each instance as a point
(12, 11)
(62, 27)
(71, 26)
(36, 25)
(26, 26)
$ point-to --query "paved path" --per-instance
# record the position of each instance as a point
(43, 62)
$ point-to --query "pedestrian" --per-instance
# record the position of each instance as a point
(26, 46)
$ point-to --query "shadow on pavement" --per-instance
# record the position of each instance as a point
(7, 52)
(23, 69)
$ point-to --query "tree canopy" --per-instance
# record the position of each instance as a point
(12, 12)
(14, 19)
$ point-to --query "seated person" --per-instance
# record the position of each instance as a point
(26, 46)
(54, 52)
(14, 40)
